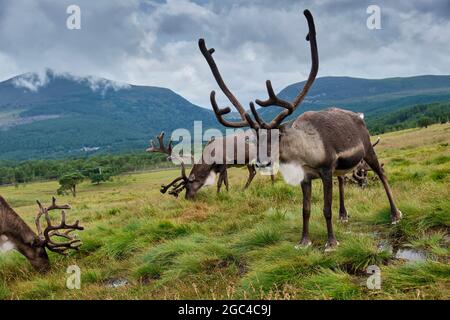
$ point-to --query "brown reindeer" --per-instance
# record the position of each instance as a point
(204, 172)
(314, 145)
(16, 234)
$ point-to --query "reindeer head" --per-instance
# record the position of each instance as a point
(262, 128)
(192, 183)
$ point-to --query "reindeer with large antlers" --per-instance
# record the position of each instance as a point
(204, 172)
(314, 145)
(16, 234)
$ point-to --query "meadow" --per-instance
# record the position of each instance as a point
(139, 244)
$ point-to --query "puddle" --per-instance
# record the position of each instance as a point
(116, 283)
(402, 253)
(410, 255)
(384, 245)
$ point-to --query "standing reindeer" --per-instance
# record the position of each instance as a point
(204, 172)
(16, 234)
(314, 145)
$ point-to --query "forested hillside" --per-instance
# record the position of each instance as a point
(421, 115)
(60, 116)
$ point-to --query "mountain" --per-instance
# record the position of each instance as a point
(54, 115)
(372, 97)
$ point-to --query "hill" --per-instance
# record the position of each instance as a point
(60, 115)
(241, 245)
(54, 115)
(420, 115)
(372, 97)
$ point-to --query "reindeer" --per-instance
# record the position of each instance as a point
(314, 145)
(204, 172)
(360, 173)
(16, 234)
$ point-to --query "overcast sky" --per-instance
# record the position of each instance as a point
(155, 42)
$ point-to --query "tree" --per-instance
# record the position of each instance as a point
(69, 182)
(99, 175)
(424, 122)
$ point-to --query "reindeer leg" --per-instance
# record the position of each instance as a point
(251, 175)
(225, 179)
(343, 217)
(272, 177)
(327, 181)
(306, 190)
(372, 161)
(220, 181)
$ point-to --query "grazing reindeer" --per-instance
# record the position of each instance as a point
(359, 174)
(16, 234)
(204, 172)
(314, 145)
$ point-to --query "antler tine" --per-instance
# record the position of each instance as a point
(176, 190)
(376, 143)
(54, 206)
(273, 99)
(290, 107)
(37, 220)
(221, 112)
(161, 149)
(245, 118)
(183, 172)
(164, 188)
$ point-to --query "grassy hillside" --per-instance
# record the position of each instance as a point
(373, 97)
(241, 244)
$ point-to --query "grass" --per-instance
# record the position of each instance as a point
(241, 245)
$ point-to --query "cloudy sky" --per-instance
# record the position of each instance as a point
(154, 42)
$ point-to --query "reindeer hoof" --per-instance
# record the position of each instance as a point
(331, 245)
(397, 219)
(343, 219)
(305, 243)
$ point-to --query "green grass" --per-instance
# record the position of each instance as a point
(241, 244)
(358, 252)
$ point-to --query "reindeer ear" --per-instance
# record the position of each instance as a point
(191, 178)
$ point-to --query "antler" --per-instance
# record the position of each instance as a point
(245, 118)
(161, 149)
(176, 188)
(54, 231)
(289, 107)
(274, 100)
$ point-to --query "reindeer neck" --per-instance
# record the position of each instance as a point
(12, 225)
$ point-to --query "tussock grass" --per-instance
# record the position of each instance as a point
(184, 256)
(241, 244)
(434, 243)
(330, 285)
(358, 252)
(4, 291)
(415, 275)
(281, 264)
